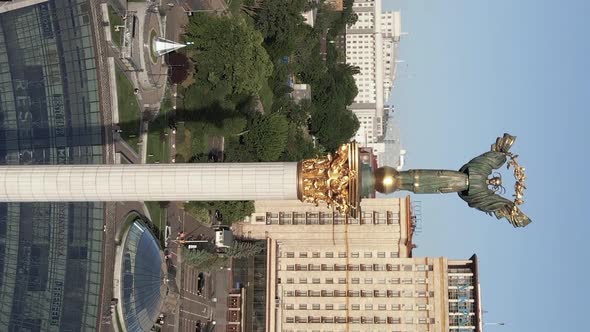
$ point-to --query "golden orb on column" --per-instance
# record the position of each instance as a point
(385, 180)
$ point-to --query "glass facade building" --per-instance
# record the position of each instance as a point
(50, 254)
(142, 276)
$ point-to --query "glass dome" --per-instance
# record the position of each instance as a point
(142, 276)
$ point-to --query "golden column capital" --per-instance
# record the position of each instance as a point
(332, 179)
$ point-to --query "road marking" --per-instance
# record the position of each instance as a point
(190, 313)
(195, 301)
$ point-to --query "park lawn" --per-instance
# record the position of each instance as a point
(158, 215)
(266, 96)
(158, 144)
(183, 143)
(115, 19)
(129, 114)
(234, 6)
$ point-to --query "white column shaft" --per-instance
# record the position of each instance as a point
(169, 182)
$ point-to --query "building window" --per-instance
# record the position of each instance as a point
(329, 281)
(368, 307)
(329, 255)
(368, 254)
(342, 254)
(356, 307)
(407, 281)
(339, 267)
(315, 280)
(289, 306)
(316, 306)
(303, 255)
(339, 293)
(383, 307)
(303, 307)
(303, 280)
(341, 280)
(368, 280)
(381, 254)
(327, 267)
(290, 280)
(290, 254)
(316, 255)
(355, 280)
(329, 307)
(392, 267)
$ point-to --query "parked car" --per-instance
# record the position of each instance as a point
(200, 283)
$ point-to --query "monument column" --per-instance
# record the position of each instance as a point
(164, 182)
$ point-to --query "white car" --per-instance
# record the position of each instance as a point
(167, 233)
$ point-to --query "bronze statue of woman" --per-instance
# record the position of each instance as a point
(472, 182)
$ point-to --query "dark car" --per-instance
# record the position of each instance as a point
(200, 283)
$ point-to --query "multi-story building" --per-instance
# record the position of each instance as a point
(328, 273)
(371, 45)
(383, 222)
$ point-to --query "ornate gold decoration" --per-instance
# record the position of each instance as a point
(519, 185)
(331, 179)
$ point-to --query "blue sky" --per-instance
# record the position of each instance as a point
(476, 69)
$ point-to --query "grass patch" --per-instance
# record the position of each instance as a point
(158, 214)
(199, 213)
(158, 144)
(115, 19)
(234, 6)
(266, 96)
(129, 114)
(153, 55)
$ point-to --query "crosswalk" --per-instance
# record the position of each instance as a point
(188, 324)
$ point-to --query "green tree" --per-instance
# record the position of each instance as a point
(233, 126)
(281, 24)
(299, 145)
(203, 260)
(334, 127)
(243, 249)
(231, 211)
(228, 54)
(266, 137)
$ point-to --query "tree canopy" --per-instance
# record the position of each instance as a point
(228, 54)
(267, 137)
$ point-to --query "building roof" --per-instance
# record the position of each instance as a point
(143, 277)
(50, 253)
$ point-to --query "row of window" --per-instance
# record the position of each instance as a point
(357, 320)
(356, 293)
(341, 254)
(356, 267)
(367, 281)
(366, 307)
